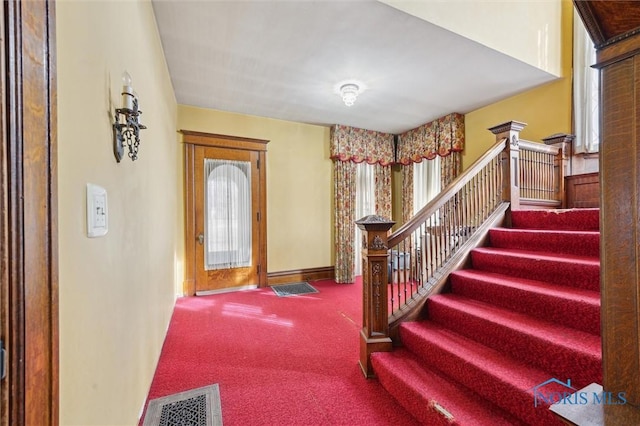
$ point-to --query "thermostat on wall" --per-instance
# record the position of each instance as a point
(97, 212)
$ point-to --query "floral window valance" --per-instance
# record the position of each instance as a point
(438, 137)
(358, 145)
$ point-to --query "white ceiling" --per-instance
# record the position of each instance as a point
(285, 59)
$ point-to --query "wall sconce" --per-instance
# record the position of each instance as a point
(126, 125)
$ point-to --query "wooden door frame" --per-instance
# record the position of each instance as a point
(190, 140)
(28, 209)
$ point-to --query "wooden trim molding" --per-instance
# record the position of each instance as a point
(189, 285)
(223, 141)
(262, 230)
(191, 140)
(300, 275)
(609, 22)
(586, 12)
(29, 240)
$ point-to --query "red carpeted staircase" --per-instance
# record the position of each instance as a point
(526, 313)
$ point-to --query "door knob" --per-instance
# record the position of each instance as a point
(201, 238)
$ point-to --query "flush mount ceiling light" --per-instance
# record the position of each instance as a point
(349, 93)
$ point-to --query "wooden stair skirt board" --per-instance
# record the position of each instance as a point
(309, 274)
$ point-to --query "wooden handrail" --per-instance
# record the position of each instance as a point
(538, 147)
(430, 208)
(401, 269)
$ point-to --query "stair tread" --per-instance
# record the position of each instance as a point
(553, 347)
(567, 232)
(561, 269)
(568, 219)
(540, 299)
(534, 286)
(527, 316)
(421, 390)
(488, 371)
(583, 243)
(540, 255)
(556, 334)
(514, 372)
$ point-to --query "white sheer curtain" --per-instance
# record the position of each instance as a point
(365, 205)
(426, 182)
(585, 90)
(228, 214)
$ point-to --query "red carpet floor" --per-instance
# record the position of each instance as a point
(277, 360)
(527, 312)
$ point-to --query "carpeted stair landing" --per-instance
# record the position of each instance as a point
(527, 312)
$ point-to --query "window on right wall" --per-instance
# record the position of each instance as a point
(585, 91)
(426, 182)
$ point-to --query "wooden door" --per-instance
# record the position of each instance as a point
(225, 243)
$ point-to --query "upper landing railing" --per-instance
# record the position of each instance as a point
(402, 269)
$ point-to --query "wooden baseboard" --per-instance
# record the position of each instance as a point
(309, 274)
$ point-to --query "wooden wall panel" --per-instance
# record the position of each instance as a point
(619, 228)
(615, 29)
(583, 191)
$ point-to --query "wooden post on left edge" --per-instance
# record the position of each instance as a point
(564, 142)
(511, 160)
(374, 336)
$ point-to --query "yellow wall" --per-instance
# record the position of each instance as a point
(524, 29)
(116, 292)
(546, 109)
(299, 183)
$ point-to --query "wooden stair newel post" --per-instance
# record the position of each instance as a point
(511, 160)
(374, 336)
(564, 142)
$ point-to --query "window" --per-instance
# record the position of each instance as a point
(228, 205)
(365, 205)
(426, 182)
(585, 90)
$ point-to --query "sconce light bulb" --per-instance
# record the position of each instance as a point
(126, 79)
(127, 91)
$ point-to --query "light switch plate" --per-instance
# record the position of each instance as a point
(97, 211)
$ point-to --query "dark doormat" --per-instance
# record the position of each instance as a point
(196, 407)
(294, 289)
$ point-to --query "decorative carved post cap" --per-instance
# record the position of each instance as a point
(507, 126)
(558, 138)
(375, 223)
